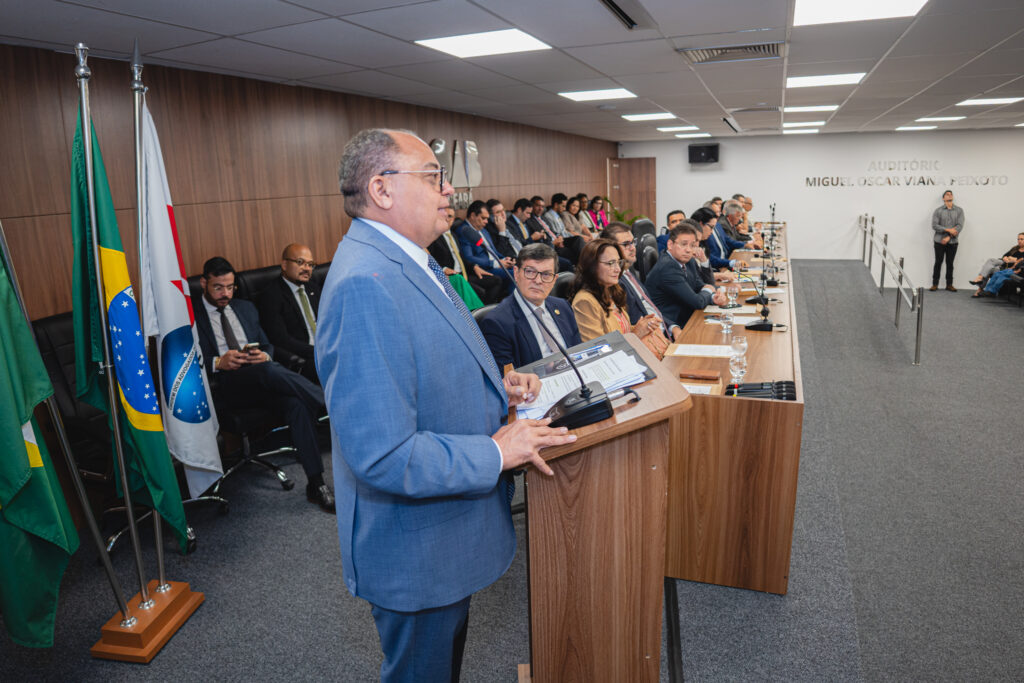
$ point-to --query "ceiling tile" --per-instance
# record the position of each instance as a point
(962, 87)
(344, 42)
(374, 83)
(846, 66)
(226, 17)
(337, 8)
(872, 90)
(750, 98)
(649, 56)
(664, 84)
(586, 84)
(517, 94)
(740, 76)
(238, 55)
(931, 67)
(936, 34)
(1008, 62)
(565, 23)
(708, 16)
(430, 20)
(456, 74)
(537, 67)
(851, 40)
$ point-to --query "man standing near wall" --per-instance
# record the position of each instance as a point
(947, 224)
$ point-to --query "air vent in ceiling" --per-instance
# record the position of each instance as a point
(732, 53)
(750, 110)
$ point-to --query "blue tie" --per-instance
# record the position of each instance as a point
(460, 306)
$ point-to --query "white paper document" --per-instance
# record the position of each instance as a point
(703, 350)
(737, 320)
(614, 371)
(698, 388)
(739, 310)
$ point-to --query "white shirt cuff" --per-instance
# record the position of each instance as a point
(501, 459)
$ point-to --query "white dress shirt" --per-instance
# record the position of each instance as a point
(218, 329)
(545, 348)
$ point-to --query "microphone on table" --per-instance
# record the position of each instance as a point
(580, 407)
(764, 324)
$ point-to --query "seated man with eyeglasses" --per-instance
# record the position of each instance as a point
(675, 287)
(511, 331)
(239, 360)
(288, 307)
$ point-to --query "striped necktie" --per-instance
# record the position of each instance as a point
(460, 306)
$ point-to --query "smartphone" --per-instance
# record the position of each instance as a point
(251, 346)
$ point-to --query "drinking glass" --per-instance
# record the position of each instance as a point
(737, 368)
(732, 291)
(726, 319)
(739, 345)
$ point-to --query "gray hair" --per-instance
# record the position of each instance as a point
(366, 155)
(732, 206)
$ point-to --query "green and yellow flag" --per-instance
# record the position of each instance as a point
(151, 476)
(37, 536)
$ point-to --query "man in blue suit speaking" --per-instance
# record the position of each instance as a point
(421, 459)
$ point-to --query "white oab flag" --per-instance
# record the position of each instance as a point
(189, 420)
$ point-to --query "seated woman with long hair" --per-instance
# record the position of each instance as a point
(599, 301)
(597, 213)
(571, 219)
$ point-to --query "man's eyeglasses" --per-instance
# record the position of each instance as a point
(223, 289)
(617, 263)
(302, 263)
(440, 175)
(531, 274)
(630, 243)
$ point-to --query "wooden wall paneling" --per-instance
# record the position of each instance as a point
(632, 186)
(42, 261)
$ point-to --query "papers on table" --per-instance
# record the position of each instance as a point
(739, 310)
(698, 388)
(737, 320)
(775, 290)
(702, 350)
(613, 371)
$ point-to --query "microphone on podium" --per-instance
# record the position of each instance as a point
(586, 405)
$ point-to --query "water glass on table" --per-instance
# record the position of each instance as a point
(726, 320)
(731, 292)
(739, 345)
(737, 368)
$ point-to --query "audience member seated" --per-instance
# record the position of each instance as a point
(570, 218)
(567, 246)
(239, 359)
(675, 283)
(1008, 260)
(512, 332)
(599, 301)
(731, 220)
(715, 205)
(584, 216)
(474, 254)
(505, 242)
(515, 222)
(639, 304)
(705, 220)
(721, 246)
(288, 307)
(474, 285)
(1001, 277)
(597, 213)
(673, 219)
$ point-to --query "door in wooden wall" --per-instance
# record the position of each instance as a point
(631, 186)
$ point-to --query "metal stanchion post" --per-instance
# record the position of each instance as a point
(920, 325)
(899, 294)
(871, 247)
(885, 255)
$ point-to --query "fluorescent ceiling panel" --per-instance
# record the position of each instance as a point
(591, 95)
(810, 12)
(933, 119)
(989, 101)
(803, 124)
(660, 116)
(1019, 125)
(829, 79)
(487, 43)
(817, 107)
(676, 129)
(916, 127)
(693, 135)
(800, 131)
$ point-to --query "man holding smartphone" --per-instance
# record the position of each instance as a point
(239, 359)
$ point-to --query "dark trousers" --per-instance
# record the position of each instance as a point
(272, 385)
(424, 646)
(948, 252)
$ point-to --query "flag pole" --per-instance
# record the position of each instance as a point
(138, 96)
(127, 620)
(82, 74)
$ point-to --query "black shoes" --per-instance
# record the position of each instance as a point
(322, 496)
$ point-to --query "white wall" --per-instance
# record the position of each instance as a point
(985, 170)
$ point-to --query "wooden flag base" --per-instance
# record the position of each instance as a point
(153, 628)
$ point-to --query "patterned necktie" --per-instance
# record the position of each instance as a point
(643, 295)
(229, 333)
(548, 337)
(307, 311)
(460, 306)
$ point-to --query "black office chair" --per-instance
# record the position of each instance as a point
(646, 240)
(481, 313)
(563, 285)
(646, 263)
(320, 274)
(644, 226)
(251, 283)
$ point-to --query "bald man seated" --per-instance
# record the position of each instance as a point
(288, 307)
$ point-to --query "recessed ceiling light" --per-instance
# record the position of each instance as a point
(829, 79)
(816, 107)
(1019, 125)
(677, 129)
(800, 131)
(588, 95)
(693, 135)
(660, 116)
(932, 119)
(810, 12)
(917, 127)
(988, 101)
(803, 124)
(487, 43)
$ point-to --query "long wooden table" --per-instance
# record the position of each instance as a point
(734, 462)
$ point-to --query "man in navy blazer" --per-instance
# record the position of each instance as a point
(511, 331)
(421, 459)
(470, 232)
(244, 378)
(676, 289)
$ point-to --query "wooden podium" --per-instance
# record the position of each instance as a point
(596, 540)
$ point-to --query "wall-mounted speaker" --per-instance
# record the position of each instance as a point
(703, 154)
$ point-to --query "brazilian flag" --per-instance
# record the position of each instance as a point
(151, 475)
(37, 536)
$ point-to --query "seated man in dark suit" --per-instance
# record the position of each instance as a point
(244, 375)
(445, 249)
(517, 223)
(511, 331)
(676, 289)
(506, 242)
(470, 233)
(288, 307)
(674, 218)
(568, 246)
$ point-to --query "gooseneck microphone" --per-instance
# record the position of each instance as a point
(764, 324)
(580, 407)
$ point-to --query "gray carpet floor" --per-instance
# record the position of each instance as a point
(907, 562)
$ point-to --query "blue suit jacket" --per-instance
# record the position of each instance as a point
(423, 517)
(508, 332)
(675, 290)
(472, 254)
(718, 258)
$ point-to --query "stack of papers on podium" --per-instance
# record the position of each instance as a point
(613, 371)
